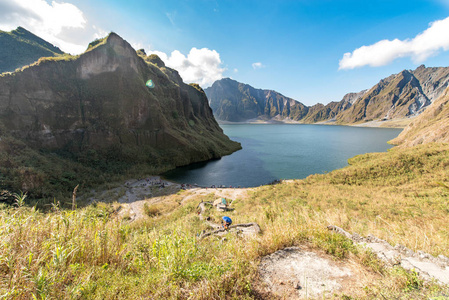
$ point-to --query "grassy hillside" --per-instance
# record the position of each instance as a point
(48, 175)
(20, 48)
(91, 253)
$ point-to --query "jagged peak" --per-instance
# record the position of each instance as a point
(21, 29)
(420, 67)
(142, 52)
(113, 36)
(227, 79)
(155, 59)
(405, 73)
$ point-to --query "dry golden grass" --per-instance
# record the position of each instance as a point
(89, 254)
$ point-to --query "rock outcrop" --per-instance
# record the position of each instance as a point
(402, 95)
(102, 101)
(21, 47)
(425, 265)
(431, 126)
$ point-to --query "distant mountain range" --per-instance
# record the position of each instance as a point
(398, 96)
(234, 101)
(20, 47)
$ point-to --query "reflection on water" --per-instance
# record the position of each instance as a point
(272, 152)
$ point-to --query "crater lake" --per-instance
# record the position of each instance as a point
(283, 151)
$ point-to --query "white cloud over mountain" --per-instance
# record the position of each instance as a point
(202, 66)
(257, 65)
(55, 22)
(424, 45)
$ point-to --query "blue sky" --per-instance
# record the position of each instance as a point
(294, 47)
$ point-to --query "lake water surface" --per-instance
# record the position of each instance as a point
(284, 151)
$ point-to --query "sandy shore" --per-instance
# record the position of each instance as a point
(396, 123)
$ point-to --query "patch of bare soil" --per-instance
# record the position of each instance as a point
(135, 193)
(229, 193)
(302, 273)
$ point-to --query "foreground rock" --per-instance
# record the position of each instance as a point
(296, 273)
(427, 266)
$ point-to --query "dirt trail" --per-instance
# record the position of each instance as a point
(147, 190)
(218, 230)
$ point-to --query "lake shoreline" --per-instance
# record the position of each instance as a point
(280, 151)
(394, 123)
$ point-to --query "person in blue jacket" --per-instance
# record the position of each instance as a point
(226, 222)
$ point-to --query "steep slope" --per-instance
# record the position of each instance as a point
(320, 112)
(20, 48)
(398, 96)
(98, 105)
(431, 126)
(401, 95)
(234, 101)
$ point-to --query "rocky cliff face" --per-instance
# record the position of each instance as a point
(20, 48)
(401, 95)
(100, 101)
(234, 101)
(320, 112)
(431, 126)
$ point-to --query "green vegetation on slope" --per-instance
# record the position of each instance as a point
(47, 175)
(90, 253)
(91, 119)
(20, 48)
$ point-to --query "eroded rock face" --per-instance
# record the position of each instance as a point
(431, 126)
(398, 96)
(234, 101)
(401, 95)
(100, 100)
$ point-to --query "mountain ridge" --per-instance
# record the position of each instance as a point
(20, 47)
(402, 95)
(242, 102)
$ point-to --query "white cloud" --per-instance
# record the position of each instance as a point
(419, 48)
(171, 17)
(236, 70)
(257, 65)
(202, 66)
(55, 22)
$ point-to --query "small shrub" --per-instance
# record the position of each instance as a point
(151, 210)
(335, 244)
